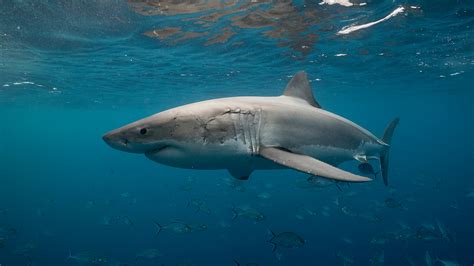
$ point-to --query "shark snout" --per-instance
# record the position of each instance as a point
(126, 140)
(116, 141)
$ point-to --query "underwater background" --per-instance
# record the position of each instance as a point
(72, 70)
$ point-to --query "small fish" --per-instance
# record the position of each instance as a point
(116, 220)
(40, 212)
(247, 212)
(310, 212)
(47, 233)
(182, 264)
(350, 194)
(319, 182)
(30, 261)
(264, 195)
(348, 211)
(379, 240)
(90, 204)
(224, 224)
(186, 187)
(180, 227)
(286, 240)
(366, 168)
(87, 258)
(151, 253)
(132, 201)
(121, 264)
(410, 199)
(199, 205)
(470, 194)
(442, 229)
(393, 203)
(106, 220)
(246, 264)
(371, 217)
(25, 250)
(404, 234)
(428, 259)
(177, 227)
(126, 220)
(7, 232)
(454, 205)
(303, 212)
(235, 184)
(403, 225)
(378, 259)
(336, 201)
(347, 240)
(427, 233)
(346, 259)
(410, 261)
(197, 227)
(448, 262)
(278, 255)
(429, 226)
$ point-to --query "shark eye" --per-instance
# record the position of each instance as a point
(143, 131)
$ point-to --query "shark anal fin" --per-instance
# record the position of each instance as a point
(240, 173)
(309, 165)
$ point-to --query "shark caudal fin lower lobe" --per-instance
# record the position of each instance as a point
(384, 157)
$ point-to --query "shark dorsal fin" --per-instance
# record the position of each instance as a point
(299, 87)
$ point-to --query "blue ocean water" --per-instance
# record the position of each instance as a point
(72, 70)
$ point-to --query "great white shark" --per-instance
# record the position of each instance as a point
(243, 134)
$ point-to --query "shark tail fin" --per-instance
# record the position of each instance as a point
(69, 256)
(384, 157)
(159, 227)
(235, 214)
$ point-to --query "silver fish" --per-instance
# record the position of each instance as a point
(286, 240)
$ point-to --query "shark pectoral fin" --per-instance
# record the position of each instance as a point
(240, 173)
(310, 165)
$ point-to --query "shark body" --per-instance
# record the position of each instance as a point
(243, 134)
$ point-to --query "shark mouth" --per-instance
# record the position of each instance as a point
(155, 151)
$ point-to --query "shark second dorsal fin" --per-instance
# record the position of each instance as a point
(299, 87)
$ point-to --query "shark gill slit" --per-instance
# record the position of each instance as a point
(246, 126)
(248, 122)
(234, 125)
(252, 132)
(258, 119)
(242, 128)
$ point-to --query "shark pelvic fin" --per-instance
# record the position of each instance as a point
(240, 173)
(309, 165)
(299, 87)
